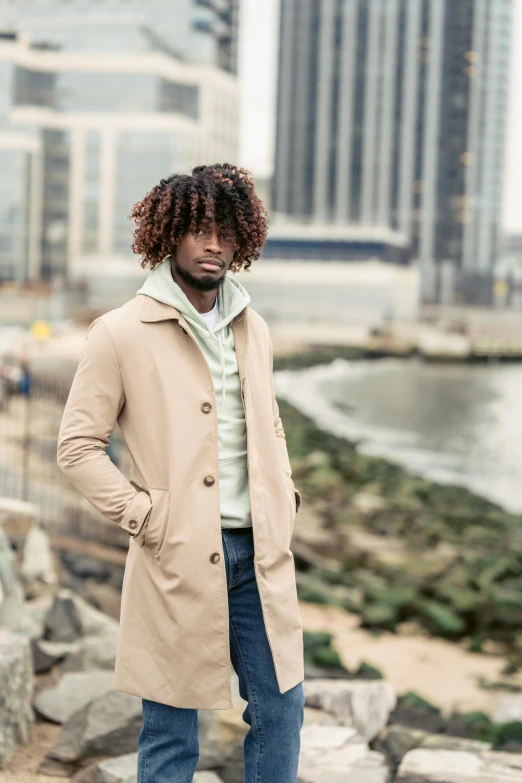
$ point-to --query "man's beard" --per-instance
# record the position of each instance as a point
(209, 283)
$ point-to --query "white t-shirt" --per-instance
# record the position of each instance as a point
(212, 317)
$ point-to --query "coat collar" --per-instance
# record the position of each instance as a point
(152, 310)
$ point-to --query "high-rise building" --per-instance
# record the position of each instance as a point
(198, 31)
(83, 137)
(392, 113)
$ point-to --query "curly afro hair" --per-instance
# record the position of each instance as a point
(189, 202)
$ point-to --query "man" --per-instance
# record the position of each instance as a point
(186, 369)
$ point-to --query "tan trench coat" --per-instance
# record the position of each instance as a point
(142, 367)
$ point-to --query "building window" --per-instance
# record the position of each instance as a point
(178, 98)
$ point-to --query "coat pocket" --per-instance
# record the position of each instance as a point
(156, 528)
(289, 485)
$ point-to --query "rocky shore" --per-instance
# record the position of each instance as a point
(62, 719)
(394, 572)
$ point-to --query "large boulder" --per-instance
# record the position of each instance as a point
(93, 635)
(16, 689)
(91, 622)
(108, 725)
(73, 691)
(338, 754)
(458, 766)
(363, 705)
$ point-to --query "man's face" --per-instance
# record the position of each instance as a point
(202, 259)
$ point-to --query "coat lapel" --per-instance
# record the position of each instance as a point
(152, 311)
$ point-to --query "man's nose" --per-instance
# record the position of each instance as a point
(212, 243)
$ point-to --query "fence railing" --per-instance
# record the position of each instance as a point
(30, 416)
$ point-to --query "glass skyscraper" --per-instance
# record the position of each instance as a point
(392, 113)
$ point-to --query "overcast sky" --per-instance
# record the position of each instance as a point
(257, 66)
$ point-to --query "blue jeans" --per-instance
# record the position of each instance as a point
(168, 745)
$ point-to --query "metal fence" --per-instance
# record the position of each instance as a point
(30, 416)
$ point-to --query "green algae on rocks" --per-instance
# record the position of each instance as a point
(411, 549)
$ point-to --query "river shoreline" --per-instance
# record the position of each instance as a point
(409, 550)
(457, 424)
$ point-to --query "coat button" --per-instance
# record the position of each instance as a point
(206, 407)
(215, 557)
(133, 523)
(209, 480)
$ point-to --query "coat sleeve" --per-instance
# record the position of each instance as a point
(279, 430)
(93, 405)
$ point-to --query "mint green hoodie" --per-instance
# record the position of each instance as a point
(219, 351)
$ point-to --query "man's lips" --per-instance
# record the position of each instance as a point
(211, 264)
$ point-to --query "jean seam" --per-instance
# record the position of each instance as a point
(148, 733)
(252, 700)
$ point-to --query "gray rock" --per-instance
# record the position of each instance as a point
(96, 634)
(16, 689)
(396, 740)
(108, 725)
(92, 622)
(364, 705)
(62, 623)
(457, 766)
(448, 742)
(38, 561)
(93, 653)
(123, 769)
(218, 739)
(37, 609)
(509, 708)
(85, 567)
(17, 516)
(59, 649)
(42, 661)
(337, 754)
(13, 614)
(72, 692)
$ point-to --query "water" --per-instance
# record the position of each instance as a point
(459, 424)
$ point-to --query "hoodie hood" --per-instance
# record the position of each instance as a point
(232, 299)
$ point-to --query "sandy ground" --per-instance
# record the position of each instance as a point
(442, 672)
(23, 765)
